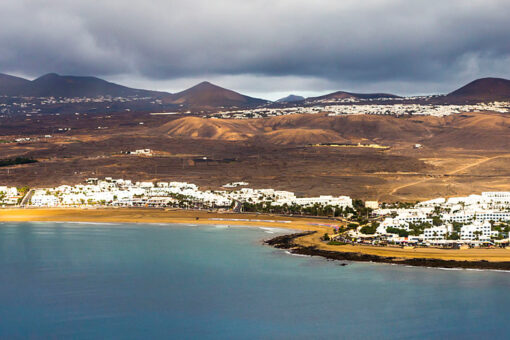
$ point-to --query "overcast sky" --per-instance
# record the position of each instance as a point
(266, 48)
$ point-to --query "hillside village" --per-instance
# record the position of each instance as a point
(35, 105)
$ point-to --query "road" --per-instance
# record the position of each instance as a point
(27, 198)
(472, 165)
(238, 207)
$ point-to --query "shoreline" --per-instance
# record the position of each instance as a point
(287, 242)
(305, 242)
(156, 215)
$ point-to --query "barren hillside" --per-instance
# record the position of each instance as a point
(466, 131)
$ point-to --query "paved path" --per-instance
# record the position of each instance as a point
(27, 198)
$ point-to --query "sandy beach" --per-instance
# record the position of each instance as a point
(141, 215)
(320, 226)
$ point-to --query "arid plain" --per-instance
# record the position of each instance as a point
(459, 154)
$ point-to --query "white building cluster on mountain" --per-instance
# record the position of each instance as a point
(34, 105)
(120, 192)
(481, 218)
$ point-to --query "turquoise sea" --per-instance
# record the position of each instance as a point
(132, 281)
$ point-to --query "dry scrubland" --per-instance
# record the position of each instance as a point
(461, 154)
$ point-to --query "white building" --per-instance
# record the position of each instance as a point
(436, 233)
(372, 204)
(476, 231)
(9, 195)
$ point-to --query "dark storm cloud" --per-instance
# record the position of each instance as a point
(403, 45)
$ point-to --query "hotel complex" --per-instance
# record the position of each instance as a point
(125, 193)
(475, 219)
(472, 219)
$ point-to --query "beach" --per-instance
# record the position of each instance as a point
(153, 215)
(309, 244)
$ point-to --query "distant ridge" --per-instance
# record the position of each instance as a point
(206, 95)
(291, 98)
(54, 85)
(11, 85)
(482, 90)
(346, 95)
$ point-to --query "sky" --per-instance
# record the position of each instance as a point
(262, 48)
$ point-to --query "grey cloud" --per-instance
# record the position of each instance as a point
(408, 46)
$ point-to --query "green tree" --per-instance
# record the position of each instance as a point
(457, 226)
(436, 220)
(454, 236)
(400, 232)
(370, 229)
(24, 189)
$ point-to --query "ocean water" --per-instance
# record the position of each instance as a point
(128, 281)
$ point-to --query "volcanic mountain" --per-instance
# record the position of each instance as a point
(206, 95)
(481, 90)
(54, 85)
(350, 95)
(291, 98)
(12, 86)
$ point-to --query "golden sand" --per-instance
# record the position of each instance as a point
(141, 215)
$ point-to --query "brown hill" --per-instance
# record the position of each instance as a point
(376, 127)
(467, 131)
(208, 96)
(302, 136)
(481, 90)
(474, 131)
(204, 128)
(273, 131)
(298, 129)
(11, 86)
(345, 95)
(355, 127)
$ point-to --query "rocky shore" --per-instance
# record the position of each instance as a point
(288, 242)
